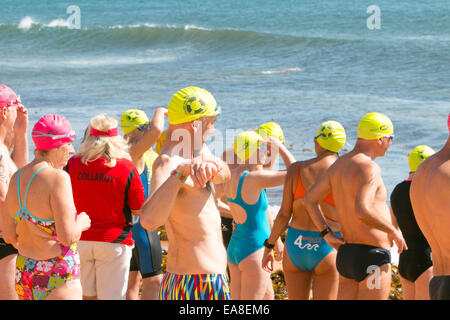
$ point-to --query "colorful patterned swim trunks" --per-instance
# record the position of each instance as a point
(194, 287)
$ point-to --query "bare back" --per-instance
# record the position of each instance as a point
(310, 171)
(34, 242)
(430, 201)
(347, 181)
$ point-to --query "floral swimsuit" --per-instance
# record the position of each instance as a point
(36, 279)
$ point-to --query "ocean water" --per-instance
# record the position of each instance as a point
(298, 63)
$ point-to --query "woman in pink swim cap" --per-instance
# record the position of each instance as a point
(41, 218)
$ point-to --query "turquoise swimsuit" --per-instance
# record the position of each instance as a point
(249, 236)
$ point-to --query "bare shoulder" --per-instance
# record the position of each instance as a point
(162, 161)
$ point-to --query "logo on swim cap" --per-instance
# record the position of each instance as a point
(194, 106)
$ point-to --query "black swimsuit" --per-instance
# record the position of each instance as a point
(417, 259)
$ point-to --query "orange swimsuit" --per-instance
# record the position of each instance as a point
(301, 191)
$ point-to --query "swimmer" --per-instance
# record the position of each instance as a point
(363, 259)
(308, 261)
(146, 260)
(42, 219)
(248, 203)
(182, 198)
(430, 202)
(13, 137)
(415, 266)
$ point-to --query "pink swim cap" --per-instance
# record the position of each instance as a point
(8, 97)
(52, 131)
(448, 122)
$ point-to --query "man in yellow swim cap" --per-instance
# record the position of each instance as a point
(430, 202)
(363, 258)
(183, 199)
(146, 258)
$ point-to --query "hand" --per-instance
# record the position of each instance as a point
(203, 171)
(85, 221)
(267, 260)
(400, 242)
(21, 124)
(279, 250)
(333, 240)
(184, 168)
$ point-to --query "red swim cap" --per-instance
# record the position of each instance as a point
(52, 131)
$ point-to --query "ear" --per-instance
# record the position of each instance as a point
(4, 113)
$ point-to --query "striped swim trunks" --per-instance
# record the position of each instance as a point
(194, 287)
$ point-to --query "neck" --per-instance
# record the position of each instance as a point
(365, 146)
(411, 175)
(43, 159)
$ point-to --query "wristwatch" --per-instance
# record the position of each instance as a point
(268, 245)
(324, 232)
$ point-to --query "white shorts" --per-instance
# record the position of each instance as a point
(104, 269)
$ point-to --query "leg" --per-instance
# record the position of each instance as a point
(408, 289)
(87, 270)
(134, 284)
(377, 285)
(150, 287)
(298, 282)
(7, 278)
(422, 285)
(253, 278)
(348, 289)
(235, 282)
(326, 278)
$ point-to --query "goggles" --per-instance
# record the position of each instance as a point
(38, 134)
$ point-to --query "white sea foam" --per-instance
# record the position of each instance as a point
(280, 71)
(58, 23)
(26, 23)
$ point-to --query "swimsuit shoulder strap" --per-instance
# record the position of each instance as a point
(29, 183)
(238, 197)
(18, 187)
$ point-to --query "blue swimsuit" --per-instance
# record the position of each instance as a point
(147, 253)
(250, 235)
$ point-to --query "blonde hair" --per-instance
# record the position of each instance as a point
(95, 147)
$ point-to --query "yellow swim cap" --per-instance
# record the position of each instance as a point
(246, 144)
(131, 119)
(375, 125)
(191, 103)
(160, 142)
(418, 155)
(331, 136)
(271, 129)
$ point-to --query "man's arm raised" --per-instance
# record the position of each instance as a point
(164, 190)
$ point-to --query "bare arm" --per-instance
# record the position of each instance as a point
(151, 135)
(68, 226)
(8, 229)
(4, 182)
(365, 199)
(266, 178)
(312, 199)
(20, 152)
(282, 219)
(164, 190)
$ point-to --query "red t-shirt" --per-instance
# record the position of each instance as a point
(107, 195)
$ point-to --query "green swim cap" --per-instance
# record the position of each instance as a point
(375, 125)
(246, 144)
(418, 155)
(271, 129)
(331, 136)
